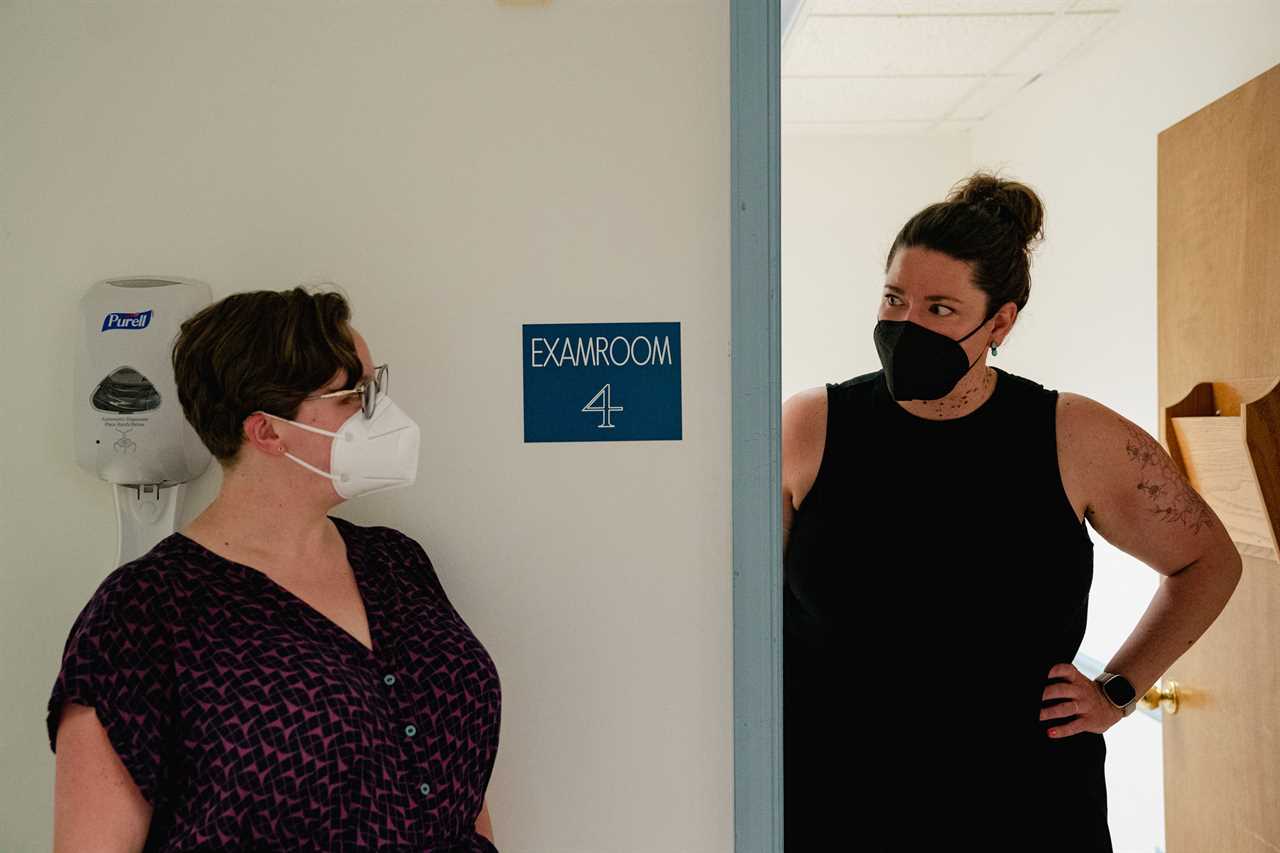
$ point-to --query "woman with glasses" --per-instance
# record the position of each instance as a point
(273, 677)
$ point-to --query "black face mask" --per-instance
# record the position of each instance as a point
(919, 363)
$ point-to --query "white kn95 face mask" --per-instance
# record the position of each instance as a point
(368, 455)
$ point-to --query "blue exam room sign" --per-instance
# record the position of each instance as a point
(601, 382)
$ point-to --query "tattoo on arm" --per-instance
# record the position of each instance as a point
(1172, 497)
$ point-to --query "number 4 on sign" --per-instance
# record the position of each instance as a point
(602, 403)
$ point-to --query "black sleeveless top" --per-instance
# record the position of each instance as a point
(934, 573)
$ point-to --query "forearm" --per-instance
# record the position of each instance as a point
(1185, 604)
(484, 824)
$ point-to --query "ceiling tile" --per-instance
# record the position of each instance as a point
(870, 99)
(991, 94)
(1067, 33)
(898, 66)
(930, 7)
(881, 46)
(1097, 6)
(861, 128)
(951, 127)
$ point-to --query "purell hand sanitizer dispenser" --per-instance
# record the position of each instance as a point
(130, 430)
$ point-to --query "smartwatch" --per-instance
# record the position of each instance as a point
(1119, 692)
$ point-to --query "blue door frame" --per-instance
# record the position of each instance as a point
(757, 412)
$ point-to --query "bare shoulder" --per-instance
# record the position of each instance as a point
(1076, 413)
(804, 433)
(805, 405)
(1093, 433)
(1091, 436)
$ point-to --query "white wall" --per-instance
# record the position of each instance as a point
(1085, 137)
(460, 169)
(844, 199)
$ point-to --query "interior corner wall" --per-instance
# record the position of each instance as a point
(1084, 136)
(460, 169)
(844, 198)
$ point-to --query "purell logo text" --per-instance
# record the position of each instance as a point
(137, 320)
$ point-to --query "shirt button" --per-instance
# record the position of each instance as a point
(410, 731)
(424, 788)
(388, 680)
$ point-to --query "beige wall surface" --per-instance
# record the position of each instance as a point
(459, 169)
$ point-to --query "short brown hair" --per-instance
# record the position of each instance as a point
(263, 350)
(989, 222)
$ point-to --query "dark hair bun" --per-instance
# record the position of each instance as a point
(1010, 201)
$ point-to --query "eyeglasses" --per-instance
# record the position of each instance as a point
(370, 391)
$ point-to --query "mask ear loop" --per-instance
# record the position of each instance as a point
(311, 467)
(993, 346)
(318, 431)
(975, 329)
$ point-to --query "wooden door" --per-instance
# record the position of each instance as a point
(1218, 311)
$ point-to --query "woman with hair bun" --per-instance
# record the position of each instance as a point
(938, 565)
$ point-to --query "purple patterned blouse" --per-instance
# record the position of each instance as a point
(251, 722)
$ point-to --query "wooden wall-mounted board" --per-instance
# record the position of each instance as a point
(1218, 317)
(1238, 477)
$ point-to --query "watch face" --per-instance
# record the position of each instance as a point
(1119, 690)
